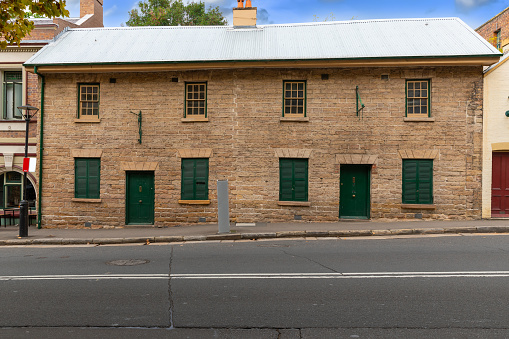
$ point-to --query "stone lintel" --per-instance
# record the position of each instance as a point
(139, 166)
(356, 159)
(195, 152)
(86, 153)
(418, 154)
(293, 153)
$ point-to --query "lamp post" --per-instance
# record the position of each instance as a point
(23, 206)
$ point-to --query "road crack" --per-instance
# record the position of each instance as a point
(309, 259)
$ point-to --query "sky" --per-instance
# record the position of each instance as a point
(472, 12)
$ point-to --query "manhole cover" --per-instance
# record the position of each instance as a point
(127, 262)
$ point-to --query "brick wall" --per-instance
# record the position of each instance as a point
(499, 22)
(245, 134)
(42, 33)
(94, 7)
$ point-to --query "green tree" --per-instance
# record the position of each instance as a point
(14, 21)
(174, 13)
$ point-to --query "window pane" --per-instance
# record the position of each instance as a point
(13, 177)
(195, 99)
(9, 100)
(294, 90)
(13, 195)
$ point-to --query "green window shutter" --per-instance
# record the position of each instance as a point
(195, 179)
(285, 180)
(80, 185)
(202, 179)
(87, 178)
(293, 179)
(425, 193)
(18, 99)
(187, 186)
(417, 181)
(4, 106)
(409, 182)
(300, 170)
(94, 174)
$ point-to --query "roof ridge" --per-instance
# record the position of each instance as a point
(313, 23)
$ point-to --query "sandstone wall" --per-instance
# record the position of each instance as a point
(246, 135)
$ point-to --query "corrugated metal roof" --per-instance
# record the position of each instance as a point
(438, 37)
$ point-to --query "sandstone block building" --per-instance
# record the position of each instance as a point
(377, 119)
(20, 87)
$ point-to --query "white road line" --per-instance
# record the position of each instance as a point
(373, 275)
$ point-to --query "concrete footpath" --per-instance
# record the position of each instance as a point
(208, 232)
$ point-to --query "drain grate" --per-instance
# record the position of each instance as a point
(127, 262)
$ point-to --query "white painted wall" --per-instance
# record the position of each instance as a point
(495, 125)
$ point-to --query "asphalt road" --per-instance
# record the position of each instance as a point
(419, 287)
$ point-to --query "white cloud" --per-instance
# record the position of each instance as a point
(110, 11)
(469, 4)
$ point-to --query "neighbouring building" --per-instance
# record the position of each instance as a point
(376, 119)
(496, 30)
(496, 141)
(19, 88)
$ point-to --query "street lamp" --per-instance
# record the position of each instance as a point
(23, 206)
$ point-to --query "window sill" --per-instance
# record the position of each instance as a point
(21, 121)
(194, 202)
(294, 203)
(417, 119)
(86, 200)
(294, 119)
(195, 119)
(418, 206)
(90, 120)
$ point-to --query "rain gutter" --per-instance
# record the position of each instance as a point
(41, 148)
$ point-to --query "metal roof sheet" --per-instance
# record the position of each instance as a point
(396, 38)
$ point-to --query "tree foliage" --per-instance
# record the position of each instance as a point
(175, 13)
(14, 17)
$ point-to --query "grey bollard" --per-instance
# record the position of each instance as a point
(223, 208)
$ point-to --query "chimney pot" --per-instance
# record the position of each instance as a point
(240, 3)
(248, 4)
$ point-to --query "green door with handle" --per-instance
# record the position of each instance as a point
(140, 198)
(354, 195)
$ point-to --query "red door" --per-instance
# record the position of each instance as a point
(500, 185)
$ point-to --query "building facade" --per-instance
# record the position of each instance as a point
(496, 142)
(496, 30)
(300, 138)
(20, 87)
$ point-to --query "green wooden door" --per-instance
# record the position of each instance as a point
(140, 198)
(354, 195)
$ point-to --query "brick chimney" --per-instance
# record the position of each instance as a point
(244, 16)
(95, 8)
